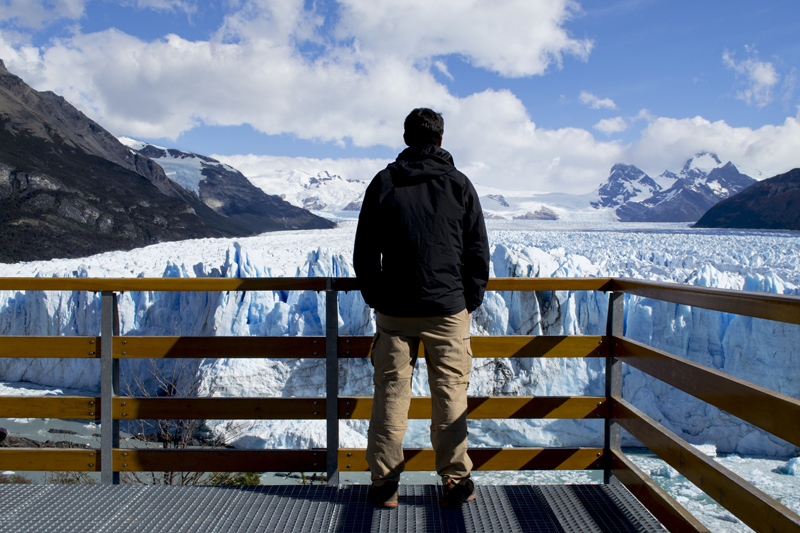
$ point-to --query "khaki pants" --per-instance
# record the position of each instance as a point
(449, 359)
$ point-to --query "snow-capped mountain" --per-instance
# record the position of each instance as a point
(323, 191)
(628, 194)
(228, 192)
(673, 197)
(626, 183)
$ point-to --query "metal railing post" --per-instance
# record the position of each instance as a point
(109, 387)
(332, 380)
(614, 326)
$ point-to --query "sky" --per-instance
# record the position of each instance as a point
(537, 95)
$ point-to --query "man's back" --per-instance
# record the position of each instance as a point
(421, 216)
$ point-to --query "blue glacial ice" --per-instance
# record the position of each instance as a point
(760, 351)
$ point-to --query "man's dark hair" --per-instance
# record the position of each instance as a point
(423, 126)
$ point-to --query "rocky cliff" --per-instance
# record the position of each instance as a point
(770, 204)
(68, 188)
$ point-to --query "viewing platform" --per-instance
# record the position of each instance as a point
(320, 509)
(627, 500)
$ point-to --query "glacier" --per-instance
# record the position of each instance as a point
(760, 351)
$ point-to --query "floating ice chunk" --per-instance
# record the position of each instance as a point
(725, 516)
(690, 491)
(665, 471)
(710, 449)
(791, 468)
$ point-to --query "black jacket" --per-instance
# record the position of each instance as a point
(421, 247)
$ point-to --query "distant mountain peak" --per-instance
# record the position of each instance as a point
(703, 161)
(624, 168)
(676, 197)
(316, 190)
(625, 183)
(227, 191)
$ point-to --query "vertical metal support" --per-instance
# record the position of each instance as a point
(614, 326)
(109, 387)
(332, 380)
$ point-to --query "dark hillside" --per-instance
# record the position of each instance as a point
(68, 188)
(58, 201)
(773, 203)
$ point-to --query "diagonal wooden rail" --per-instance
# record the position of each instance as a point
(771, 411)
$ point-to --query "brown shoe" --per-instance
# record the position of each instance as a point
(454, 495)
(385, 495)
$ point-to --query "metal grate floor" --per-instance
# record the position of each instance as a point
(319, 508)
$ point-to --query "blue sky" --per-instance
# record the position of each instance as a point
(537, 95)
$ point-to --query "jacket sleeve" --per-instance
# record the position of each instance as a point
(366, 250)
(475, 258)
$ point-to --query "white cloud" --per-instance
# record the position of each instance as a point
(163, 5)
(644, 114)
(611, 125)
(513, 38)
(36, 14)
(759, 77)
(494, 141)
(252, 72)
(569, 159)
(594, 102)
(441, 66)
(789, 86)
(762, 153)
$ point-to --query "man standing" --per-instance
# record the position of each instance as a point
(421, 256)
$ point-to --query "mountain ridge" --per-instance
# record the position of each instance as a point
(68, 188)
(227, 191)
(701, 183)
(773, 203)
(629, 194)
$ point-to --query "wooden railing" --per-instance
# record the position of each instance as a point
(775, 413)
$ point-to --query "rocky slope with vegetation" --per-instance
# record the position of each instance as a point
(68, 188)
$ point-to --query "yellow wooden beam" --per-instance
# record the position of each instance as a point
(219, 460)
(506, 407)
(53, 459)
(776, 413)
(354, 459)
(218, 347)
(669, 512)
(130, 408)
(749, 504)
(81, 407)
(51, 347)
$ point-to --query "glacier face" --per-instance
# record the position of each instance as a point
(759, 351)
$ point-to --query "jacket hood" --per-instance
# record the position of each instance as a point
(429, 160)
